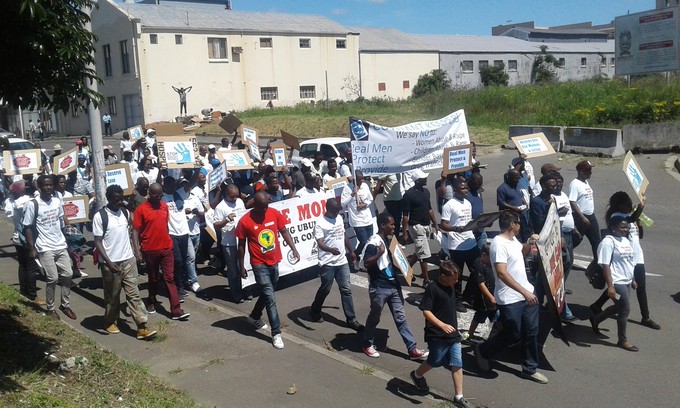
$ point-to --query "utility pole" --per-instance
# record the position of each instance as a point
(98, 169)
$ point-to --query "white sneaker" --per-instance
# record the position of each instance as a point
(258, 324)
(83, 274)
(195, 287)
(277, 341)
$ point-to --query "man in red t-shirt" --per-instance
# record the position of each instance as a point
(259, 228)
(153, 244)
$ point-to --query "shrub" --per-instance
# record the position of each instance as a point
(431, 83)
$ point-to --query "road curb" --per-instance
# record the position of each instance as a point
(670, 165)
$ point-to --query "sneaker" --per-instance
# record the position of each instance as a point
(113, 329)
(258, 324)
(182, 315)
(144, 334)
(195, 287)
(417, 354)
(371, 352)
(83, 274)
(482, 362)
(650, 323)
(317, 318)
(535, 377)
(277, 342)
(356, 326)
(460, 308)
(420, 383)
(181, 300)
(151, 308)
(463, 403)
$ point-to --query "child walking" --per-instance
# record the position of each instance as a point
(485, 304)
(441, 333)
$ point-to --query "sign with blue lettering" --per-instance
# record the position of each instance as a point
(533, 145)
(635, 176)
(457, 159)
(119, 174)
(279, 155)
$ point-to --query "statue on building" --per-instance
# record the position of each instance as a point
(182, 98)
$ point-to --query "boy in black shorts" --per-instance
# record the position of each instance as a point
(442, 336)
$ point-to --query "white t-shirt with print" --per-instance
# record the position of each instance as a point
(304, 192)
(48, 224)
(634, 237)
(357, 217)
(192, 202)
(509, 252)
(117, 238)
(178, 224)
(618, 253)
(222, 211)
(332, 231)
(581, 193)
(458, 213)
(567, 221)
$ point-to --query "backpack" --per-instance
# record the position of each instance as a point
(105, 225)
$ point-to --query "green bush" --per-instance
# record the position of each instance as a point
(431, 83)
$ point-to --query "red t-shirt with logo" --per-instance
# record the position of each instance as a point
(152, 224)
(263, 243)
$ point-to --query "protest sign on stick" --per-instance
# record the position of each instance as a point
(236, 159)
(22, 161)
(635, 176)
(65, 162)
(457, 159)
(77, 209)
(533, 145)
(120, 174)
(177, 152)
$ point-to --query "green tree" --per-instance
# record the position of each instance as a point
(494, 75)
(47, 51)
(435, 81)
(543, 69)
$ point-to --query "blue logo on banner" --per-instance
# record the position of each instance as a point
(358, 130)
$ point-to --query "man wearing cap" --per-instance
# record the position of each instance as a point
(107, 125)
(417, 213)
(57, 152)
(83, 169)
(508, 197)
(583, 206)
(109, 156)
(150, 141)
(127, 159)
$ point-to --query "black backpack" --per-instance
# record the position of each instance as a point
(105, 226)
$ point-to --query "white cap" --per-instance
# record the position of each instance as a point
(418, 174)
(127, 150)
(306, 162)
(211, 147)
(269, 162)
(149, 131)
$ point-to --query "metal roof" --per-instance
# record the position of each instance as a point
(389, 39)
(200, 16)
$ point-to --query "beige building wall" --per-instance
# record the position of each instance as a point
(393, 75)
(235, 82)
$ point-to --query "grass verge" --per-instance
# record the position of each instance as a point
(32, 347)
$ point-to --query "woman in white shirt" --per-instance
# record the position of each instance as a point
(616, 256)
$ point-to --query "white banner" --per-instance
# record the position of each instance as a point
(378, 150)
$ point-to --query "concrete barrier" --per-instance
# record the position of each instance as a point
(554, 134)
(651, 136)
(595, 141)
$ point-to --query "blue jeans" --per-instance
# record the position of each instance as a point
(363, 234)
(267, 277)
(520, 322)
(395, 301)
(341, 274)
(233, 274)
(194, 242)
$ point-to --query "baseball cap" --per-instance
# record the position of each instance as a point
(82, 156)
(549, 168)
(584, 165)
(149, 131)
(18, 186)
(306, 162)
(269, 162)
(211, 147)
(418, 174)
(109, 147)
(516, 161)
(127, 150)
(57, 146)
(79, 142)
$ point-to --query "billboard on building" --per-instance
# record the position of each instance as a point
(647, 42)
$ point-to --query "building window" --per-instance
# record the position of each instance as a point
(406, 84)
(562, 62)
(178, 39)
(217, 48)
(266, 42)
(512, 65)
(340, 43)
(483, 64)
(270, 93)
(467, 66)
(307, 92)
(112, 105)
(124, 57)
(603, 62)
(612, 62)
(107, 60)
(381, 86)
(305, 43)
(153, 38)
(498, 63)
(584, 62)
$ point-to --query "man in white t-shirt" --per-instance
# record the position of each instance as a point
(462, 245)
(358, 201)
(311, 183)
(111, 230)
(330, 236)
(583, 206)
(516, 301)
(225, 217)
(42, 229)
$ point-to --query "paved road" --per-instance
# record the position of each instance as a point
(221, 362)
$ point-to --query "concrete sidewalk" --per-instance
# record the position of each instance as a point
(220, 360)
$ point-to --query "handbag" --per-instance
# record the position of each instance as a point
(595, 275)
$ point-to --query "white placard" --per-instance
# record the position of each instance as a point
(22, 161)
(65, 162)
(217, 176)
(76, 209)
(177, 152)
(533, 145)
(120, 174)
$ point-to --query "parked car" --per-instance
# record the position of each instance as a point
(6, 133)
(330, 147)
(17, 143)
